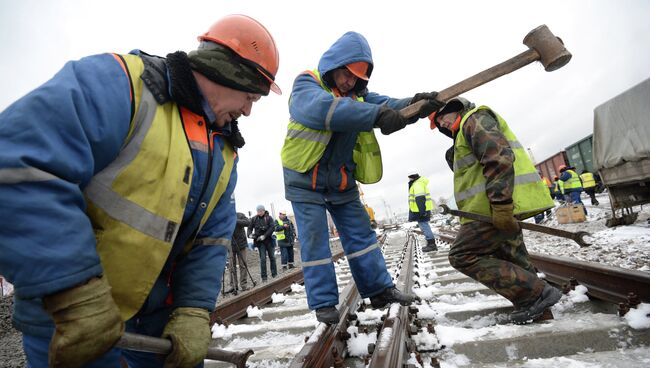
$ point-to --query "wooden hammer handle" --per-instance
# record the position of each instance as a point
(476, 80)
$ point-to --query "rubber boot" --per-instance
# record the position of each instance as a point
(431, 246)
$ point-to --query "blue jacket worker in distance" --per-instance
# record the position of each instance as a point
(330, 144)
(116, 179)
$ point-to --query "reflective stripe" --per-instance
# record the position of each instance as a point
(319, 262)
(24, 174)
(213, 241)
(361, 252)
(310, 136)
(521, 179)
(515, 144)
(130, 213)
(330, 112)
(199, 146)
(464, 162)
(99, 189)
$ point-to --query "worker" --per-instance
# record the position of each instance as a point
(262, 227)
(589, 185)
(558, 189)
(494, 176)
(572, 185)
(330, 144)
(285, 234)
(116, 178)
(420, 206)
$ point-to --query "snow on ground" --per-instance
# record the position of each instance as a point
(622, 246)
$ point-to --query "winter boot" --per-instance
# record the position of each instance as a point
(431, 246)
(328, 315)
(391, 295)
(533, 311)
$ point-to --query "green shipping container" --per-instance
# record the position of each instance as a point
(580, 154)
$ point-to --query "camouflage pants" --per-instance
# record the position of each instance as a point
(497, 260)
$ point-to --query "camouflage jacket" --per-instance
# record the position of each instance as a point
(491, 148)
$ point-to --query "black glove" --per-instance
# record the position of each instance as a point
(389, 120)
(432, 103)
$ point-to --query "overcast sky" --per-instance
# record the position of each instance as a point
(417, 46)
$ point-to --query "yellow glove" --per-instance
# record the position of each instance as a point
(189, 330)
(503, 219)
(87, 322)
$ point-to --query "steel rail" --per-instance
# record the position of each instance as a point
(235, 308)
(392, 340)
(608, 283)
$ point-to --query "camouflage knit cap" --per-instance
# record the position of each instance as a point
(222, 66)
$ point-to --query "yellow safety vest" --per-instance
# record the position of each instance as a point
(573, 182)
(559, 187)
(419, 188)
(530, 195)
(137, 202)
(280, 235)
(588, 180)
(303, 147)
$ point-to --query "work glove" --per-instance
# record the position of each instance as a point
(189, 330)
(389, 120)
(503, 219)
(87, 323)
(261, 238)
(432, 104)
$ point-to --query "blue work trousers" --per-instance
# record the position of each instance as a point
(426, 229)
(359, 242)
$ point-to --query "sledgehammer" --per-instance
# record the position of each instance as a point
(578, 236)
(148, 344)
(542, 46)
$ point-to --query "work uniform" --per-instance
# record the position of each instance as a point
(491, 166)
(572, 187)
(420, 205)
(285, 237)
(558, 190)
(589, 185)
(103, 172)
(326, 136)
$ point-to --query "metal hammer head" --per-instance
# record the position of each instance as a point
(550, 48)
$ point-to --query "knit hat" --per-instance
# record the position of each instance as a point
(260, 208)
(222, 66)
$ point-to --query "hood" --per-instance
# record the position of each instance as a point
(350, 48)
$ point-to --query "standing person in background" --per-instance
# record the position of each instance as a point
(589, 185)
(494, 176)
(285, 233)
(420, 206)
(330, 144)
(558, 190)
(238, 254)
(262, 227)
(572, 185)
(116, 179)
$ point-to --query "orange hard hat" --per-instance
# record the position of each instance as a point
(359, 69)
(251, 41)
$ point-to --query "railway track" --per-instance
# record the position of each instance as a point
(458, 322)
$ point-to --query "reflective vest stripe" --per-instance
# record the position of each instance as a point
(213, 241)
(199, 146)
(330, 113)
(310, 136)
(24, 174)
(318, 262)
(521, 179)
(361, 252)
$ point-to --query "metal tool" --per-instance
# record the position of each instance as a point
(148, 344)
(542, 46)
(577, 236)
